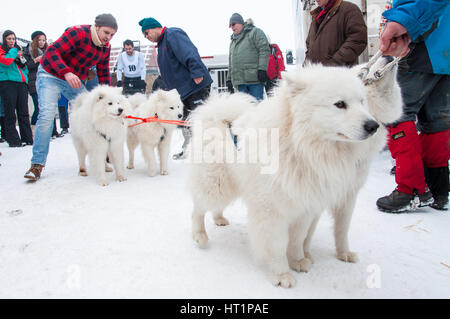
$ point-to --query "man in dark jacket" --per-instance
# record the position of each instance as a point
(337, 35)
(181, 68)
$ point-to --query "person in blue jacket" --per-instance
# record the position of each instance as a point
(181, 68)
(422, 172)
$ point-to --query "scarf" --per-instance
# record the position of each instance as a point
(94, 36)
(324, 11)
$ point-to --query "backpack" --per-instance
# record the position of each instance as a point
(276, 62)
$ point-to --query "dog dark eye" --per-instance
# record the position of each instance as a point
(340, 105)
(171, 108)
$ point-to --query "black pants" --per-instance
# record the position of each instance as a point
(133, 85)
(191, 103)
(15, 100)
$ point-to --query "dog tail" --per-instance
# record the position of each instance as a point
(78, 101)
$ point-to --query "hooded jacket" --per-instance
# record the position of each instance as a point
(340, 38)
(249, 52)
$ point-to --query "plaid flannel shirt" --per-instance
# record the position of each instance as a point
(75, 52)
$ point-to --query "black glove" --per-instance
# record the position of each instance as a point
(119, 84)
(262, 76)
(230, 87)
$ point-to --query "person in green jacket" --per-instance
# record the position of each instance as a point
(14, 92)
(248, 58)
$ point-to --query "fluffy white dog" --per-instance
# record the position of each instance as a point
(324, 127)
(98, 130)
(167, 105)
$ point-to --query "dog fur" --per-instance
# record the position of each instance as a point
(99, 130)
(328, 134)
(167, 105)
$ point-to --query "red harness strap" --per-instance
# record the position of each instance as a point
(156, 119)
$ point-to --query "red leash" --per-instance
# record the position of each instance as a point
(155, 119)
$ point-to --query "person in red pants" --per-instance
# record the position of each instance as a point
(422, 173)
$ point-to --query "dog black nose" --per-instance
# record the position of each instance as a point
(371, 127)
(120, 110)
(388, 58)
(180, 116)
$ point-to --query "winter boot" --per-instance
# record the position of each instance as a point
(398, 202)
(34, 173)
(438, 181)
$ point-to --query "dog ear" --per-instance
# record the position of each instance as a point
(100, 96)
(295, 82)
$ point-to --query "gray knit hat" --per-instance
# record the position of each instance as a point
(236, 18)
(106, 20)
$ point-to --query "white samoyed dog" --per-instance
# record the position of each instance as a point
(99, 130)
(166, 105)
(321, 129)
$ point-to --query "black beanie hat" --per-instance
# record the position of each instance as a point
(36, 34)
(106, 20)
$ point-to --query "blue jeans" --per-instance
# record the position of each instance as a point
(255, 90)
(49, 88)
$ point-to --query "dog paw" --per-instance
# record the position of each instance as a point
(82, 172)
(201, 238)
(121, 178)
(108, 169)
(151, 172)
(103, 183)
(130, 166)
(221, 221)
(164, 172)
(308, 255)
(303, 265)
(348, 257)
(285, 280)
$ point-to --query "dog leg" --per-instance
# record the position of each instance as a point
(81, 152)
(132, 143)
(269, 238)
(296, 256)
(198, 226)
(148, 151)
(342, 214)
(163, 151)
(308, 239)
(219, 219)
(117, 159)
(97, 163)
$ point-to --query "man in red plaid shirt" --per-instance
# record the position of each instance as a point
(64, 66)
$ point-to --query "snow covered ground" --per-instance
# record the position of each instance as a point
(67, 237)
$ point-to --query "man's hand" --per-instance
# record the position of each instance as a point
(73, 80)
(394, 40)
(37, 59)
(198, 80)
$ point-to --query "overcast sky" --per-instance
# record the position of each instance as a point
(206, 22)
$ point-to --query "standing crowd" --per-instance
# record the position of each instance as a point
(337, 37)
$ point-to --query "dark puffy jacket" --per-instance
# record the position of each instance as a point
(340, 38)
(32, 69)
(180, 63)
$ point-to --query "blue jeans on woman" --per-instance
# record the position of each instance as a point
(255, 90)
(49, 88)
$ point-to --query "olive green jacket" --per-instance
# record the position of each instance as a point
(249, 52)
